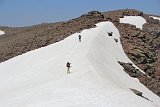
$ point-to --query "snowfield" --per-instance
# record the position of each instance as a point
(138, 21)
(2, 32)
(155, 17)
(39, 78)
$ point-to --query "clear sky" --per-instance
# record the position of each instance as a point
(30, 12)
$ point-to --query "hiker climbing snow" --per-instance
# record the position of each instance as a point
(79, 38)
(68, 65)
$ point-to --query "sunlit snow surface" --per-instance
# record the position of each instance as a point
(2, 32)
(38, 78)
(138, 21)
(155, 17)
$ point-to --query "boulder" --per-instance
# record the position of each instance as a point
(139, 93)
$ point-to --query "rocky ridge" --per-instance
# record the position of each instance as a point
(17, 41)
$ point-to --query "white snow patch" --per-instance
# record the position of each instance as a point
(38, 78)
(2, 32)
(138, 21)
(155, 17)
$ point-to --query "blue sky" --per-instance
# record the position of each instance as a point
(30, 12)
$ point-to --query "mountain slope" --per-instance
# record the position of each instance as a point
(38, 78)
(20, 40)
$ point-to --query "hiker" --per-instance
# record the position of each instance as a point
(68, 65)
(110, 33)
(79, 38)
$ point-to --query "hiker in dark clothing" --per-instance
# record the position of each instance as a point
(79, 38)
(68, 65)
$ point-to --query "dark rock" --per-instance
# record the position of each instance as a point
(132, 71)
(110, 33)
(130, 64)
(137, 92)
(142, 60)
(116, 40)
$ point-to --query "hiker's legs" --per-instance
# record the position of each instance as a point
(68, 71)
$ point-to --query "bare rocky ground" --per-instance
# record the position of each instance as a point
(141, 46)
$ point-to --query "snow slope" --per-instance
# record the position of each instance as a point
(2, 32)
(38, 78)
(155, 17)
(138, 21)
